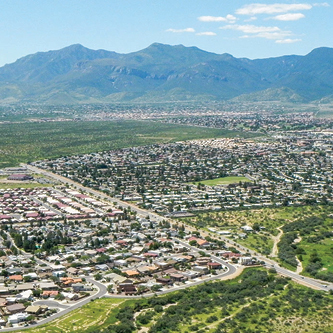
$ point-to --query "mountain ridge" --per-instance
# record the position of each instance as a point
(163, 72)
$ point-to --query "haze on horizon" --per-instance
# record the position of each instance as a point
(252, 30)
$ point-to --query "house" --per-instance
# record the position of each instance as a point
(246, 260)
(201, 269)
(24, 286)
(102, 267)
(24, 295)
(214, 265)
(32, 276)
(247, 228)
(77, 287)
(164, 281)
(58, 274)
(131, 273)
(17, 318)
(91, 253)
(34, 310)
(70, 296)
(68, 282)
(50, 293)
(202, 243)
(191, 274)
(127, 287)
(48, 286)
(16, 278)
(177, 277)
(73, 271)
(120, 262)
(116, 278)
(15, 308)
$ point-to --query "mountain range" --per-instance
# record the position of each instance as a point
(161, 73)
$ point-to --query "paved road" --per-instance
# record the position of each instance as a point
(52, 304)
(78, 186)
(100, 293)
(312, 283)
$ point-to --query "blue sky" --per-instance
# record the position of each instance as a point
(251, 29)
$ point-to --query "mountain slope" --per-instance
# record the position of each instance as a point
(161, 73)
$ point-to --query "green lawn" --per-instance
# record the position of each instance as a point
(21, 185)
(224, 181)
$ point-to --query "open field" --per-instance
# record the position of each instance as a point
(257, 301)
(24, 142)
(224, 181)
(11, 185)
(99, 313)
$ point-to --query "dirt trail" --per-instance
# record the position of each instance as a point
(276, 240)
(299, 266)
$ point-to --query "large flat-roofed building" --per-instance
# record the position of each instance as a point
(20, 176)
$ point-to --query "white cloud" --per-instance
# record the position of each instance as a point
(269, 35)
(181, 30)
(253, 18)
(260, 8)
(206, 33)
(229, 18)
(322, 4)
(273, 35)
(250, 29)
(289, 17)
(287, 41)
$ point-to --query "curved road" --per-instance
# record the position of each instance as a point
(101, 292)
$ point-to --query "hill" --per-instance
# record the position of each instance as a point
(160, 73)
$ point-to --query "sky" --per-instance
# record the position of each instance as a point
(245, 29)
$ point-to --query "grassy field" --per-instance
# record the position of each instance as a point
(223, 181)
(21, 185)
(24, 142)
(98, 313)
(257, 301)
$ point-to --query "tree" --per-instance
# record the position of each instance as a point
(36, 292)
(98, 276)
